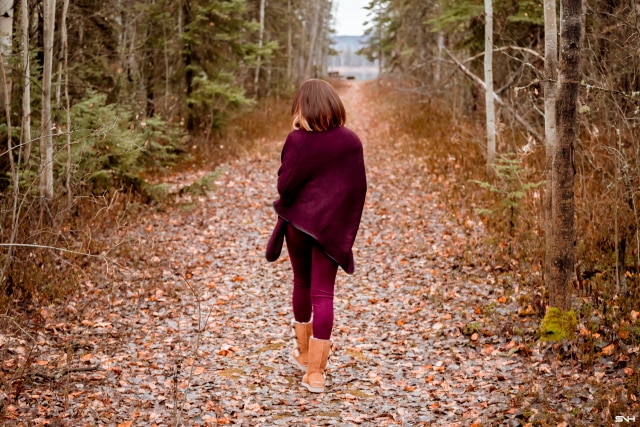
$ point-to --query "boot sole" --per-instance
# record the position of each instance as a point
(313, 389)
(296, 363)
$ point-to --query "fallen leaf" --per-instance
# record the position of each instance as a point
(608, 350)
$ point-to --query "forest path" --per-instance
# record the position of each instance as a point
(192, 326)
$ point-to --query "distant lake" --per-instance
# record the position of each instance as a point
(369, 72)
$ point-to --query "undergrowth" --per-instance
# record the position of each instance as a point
(607, 285)
(116, 156)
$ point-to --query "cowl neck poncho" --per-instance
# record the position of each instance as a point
(322, 186)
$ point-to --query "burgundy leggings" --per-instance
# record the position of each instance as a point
(314, 277)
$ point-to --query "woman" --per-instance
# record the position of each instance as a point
(322, 187)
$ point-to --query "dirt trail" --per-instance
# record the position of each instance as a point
(192, 326)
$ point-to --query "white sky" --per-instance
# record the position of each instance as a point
(350, 16)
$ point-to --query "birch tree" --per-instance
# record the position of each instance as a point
(6, 31)
(46, 141)
(65, 71)
(562, 258)
(550, 70)
(256, 79)
(289, 72)
(488, 83)
(26, 77)
(313, 37)
(6, 111)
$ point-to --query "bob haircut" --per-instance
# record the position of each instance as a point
(317, 107)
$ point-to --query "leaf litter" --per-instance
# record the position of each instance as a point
(191, 326)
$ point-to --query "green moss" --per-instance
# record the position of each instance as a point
(558, 325)
(471, 328)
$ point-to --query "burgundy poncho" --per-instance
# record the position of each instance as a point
(322, 186)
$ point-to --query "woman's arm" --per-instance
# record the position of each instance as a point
(291, 174)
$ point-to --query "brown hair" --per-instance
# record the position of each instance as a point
(317, 107)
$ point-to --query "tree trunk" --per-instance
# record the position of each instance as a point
(562, 209)
(551, 72)
(324, 63)
(313, 37)
(6, 32)
(46, 141)
(187, 57)
(256, 78)
(65, 72)
(289, 43)
(26, 76)
(488, 83)
(4, 82)
(437, 75)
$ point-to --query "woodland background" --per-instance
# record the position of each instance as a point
(102, 99)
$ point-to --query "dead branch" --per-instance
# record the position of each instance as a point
(66, 371)
(505, 48)
(477, 80)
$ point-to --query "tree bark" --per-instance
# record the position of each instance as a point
(488, 84)
(256, 78)
(26, 76)
(289, 43)
(313, 37)
(46, 141)
(562, 247)
(187, 58)
(549, 87)
(437, 75)
(4, 82)
(65, 72)
(6, 32)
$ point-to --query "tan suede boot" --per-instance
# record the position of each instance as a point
(319, 351)
(299, 354)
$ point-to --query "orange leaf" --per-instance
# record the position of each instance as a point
(608, 350)
(86, 357)
(502, 299)
(125, 424)
(488, 349)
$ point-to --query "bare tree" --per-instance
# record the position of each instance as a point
(437, 74)
(289, 42)
(550, 70)
(46, 141)
(65, 71)
(6, 104)
(6, 32)
(256, 79)
(562, 222)
(26, 76)
(488, 84)
(313, 37)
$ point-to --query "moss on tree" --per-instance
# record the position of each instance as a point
(558, 325)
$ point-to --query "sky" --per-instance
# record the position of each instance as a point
(349, 17)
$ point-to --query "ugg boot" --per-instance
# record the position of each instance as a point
(319, 351)
(300, 352)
